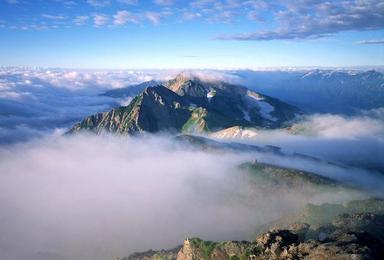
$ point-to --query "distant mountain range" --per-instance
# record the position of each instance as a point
(321, 91)
(188, 104)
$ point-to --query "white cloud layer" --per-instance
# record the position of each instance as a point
(36, 101)
(339, 127)
(92, 197)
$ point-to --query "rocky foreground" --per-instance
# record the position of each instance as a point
(354, 230)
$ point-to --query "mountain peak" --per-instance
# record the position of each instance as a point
(193, 76)
(187, 104)
(186, 84)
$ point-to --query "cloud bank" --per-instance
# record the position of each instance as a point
(356, 141)
(92, 197)
(34, 102)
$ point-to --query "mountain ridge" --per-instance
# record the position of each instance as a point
(188, 104)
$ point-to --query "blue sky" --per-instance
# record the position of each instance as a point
(191, 34)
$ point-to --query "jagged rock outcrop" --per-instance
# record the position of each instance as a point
(353, 235)
(156, 109)
(191, 105)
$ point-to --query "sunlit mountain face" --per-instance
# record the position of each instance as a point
(206, 129)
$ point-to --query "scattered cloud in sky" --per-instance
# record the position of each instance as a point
(81, 19)
(371, 42)
(304, 19)
(53, 17)
(123, 17)
(99, 3)
(153, 17)
(100, 20)
(129, 2)
(191, 15)
(316, 19)
(163, 2)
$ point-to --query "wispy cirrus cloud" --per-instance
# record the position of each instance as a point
(191, 15)
(315, 19)
(164, 2)
(129, 2)
(53, 17)
(12, 1)
(369, 42)
(155, 17)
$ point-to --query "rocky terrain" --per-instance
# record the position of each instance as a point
(354, 230)
(190, 105)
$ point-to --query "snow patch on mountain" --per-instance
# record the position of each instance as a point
(235, 132)
(265, 108)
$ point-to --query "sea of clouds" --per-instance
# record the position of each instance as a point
(92, 197)
(99, 197)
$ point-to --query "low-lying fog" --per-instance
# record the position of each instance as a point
(89, 197)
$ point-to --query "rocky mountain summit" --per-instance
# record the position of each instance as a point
(189, 104)
(355, 231)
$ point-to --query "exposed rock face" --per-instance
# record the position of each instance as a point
(156, 109)
(196, 248)
(347, 236)
(233, 103)
(191, 105)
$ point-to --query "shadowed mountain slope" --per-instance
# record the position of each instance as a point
(188, 104)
